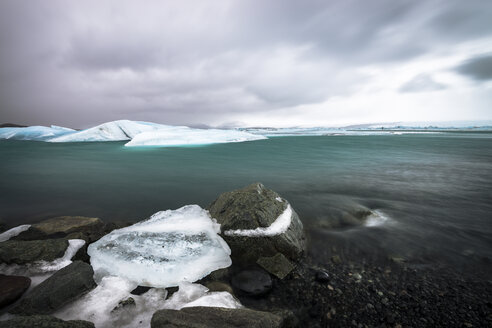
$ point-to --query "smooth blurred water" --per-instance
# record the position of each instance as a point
(435, 189)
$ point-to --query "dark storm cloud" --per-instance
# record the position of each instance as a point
(202, 62)
(479, 68)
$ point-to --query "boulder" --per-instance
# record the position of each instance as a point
(22, 252)
(12, 288)
(257, 207)
(278, 265)
(61, 288)
(44, 321)
(203, 317)
(252, 282)
(89, 229)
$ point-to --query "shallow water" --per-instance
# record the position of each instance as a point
(433, 192)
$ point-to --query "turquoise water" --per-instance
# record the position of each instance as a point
(435, 190)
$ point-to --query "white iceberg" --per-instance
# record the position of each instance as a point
(110, 131)
(181, 136)
(171, 247)
(36, 133)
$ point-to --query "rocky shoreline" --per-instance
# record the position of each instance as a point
(273, 274)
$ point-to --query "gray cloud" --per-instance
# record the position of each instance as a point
(189, 62)
(420, 83)
(479, 68)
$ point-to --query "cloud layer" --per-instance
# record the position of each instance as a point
(221, 63)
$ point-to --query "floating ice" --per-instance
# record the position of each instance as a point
(280, 225)
(110, 131)
(38, 133)
(179, 136)
(170, 247)
(6, 235)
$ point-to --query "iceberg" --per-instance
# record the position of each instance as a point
(110, 131)
(170, 247)
(36, 133)
(180, 136)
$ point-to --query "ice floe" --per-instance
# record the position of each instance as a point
(6, 235)
(171, 247)
(180, 136)
(39, 133)
(280, 225)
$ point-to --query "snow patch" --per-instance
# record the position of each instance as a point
(278, 199)
(170, 247)
(73, 247)
(278, 227)
(6, 235)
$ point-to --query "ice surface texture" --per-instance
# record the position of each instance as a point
(178, 136)
(170, 247)
(40, 133)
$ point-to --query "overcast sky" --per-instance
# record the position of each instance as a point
(245, 63)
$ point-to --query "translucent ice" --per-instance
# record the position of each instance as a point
(179, 136)
(170, 247)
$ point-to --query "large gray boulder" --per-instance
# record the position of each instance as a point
(90, 229)
(12, 288)
(204, 317)
(257, 207)
(43, 321)
(22, 252)
(61, 288)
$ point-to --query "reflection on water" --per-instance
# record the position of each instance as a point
(429, 195)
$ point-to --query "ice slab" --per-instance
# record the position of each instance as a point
(36, 133)
(280, 225)
(180, 136)
(110, 131)
(171, 247)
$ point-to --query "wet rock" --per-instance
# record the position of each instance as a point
(43, 321)
(203, 317)
(257, 207)
(61, 288)
(140, 290)
(63, 226)
(252, 282)
(22, 252)
(277, 265)
(12, 288)
(322, 276)
(3, 226)
(216, 286)
(129, 302)
(336, 259)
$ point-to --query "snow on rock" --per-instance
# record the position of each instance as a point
(171, 247)
(110, 131)
(179, 136)
(4, 236)
(280, 225)
(37, 133)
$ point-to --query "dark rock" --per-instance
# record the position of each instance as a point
(129, 302)
(336, 259)
(252, 207)
(12, 288)
(89, 229)
(140, 290)
(277, 265)
(217, 286)
(322, 276)
(203, 317)
(22, 252)
(3, 226)
(43, 321)
(61, 288)
(252, 282)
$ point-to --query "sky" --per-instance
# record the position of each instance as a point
(228, 63)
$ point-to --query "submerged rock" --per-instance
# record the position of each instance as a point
(61, 288)
(63, 226)
(43, 321)
(256, 222)
(252, 282)
(203, 317)
(12, 288)
(23, 252)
